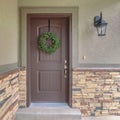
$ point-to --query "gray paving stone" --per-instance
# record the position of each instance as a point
(102, 118)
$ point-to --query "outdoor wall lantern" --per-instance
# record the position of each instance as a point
(100, 25)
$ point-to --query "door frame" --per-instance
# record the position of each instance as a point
(58, 15)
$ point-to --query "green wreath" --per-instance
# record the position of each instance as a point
(48, 42)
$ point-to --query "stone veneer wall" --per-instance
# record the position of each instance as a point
(9, 95)
(22, 88)
(96, 92)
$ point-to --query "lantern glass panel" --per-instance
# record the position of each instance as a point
(101, 29)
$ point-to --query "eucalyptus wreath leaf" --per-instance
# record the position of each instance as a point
(42, 43)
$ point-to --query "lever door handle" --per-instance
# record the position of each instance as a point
(65, 67)
(65, 73)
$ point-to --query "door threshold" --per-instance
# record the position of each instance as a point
(49, 105)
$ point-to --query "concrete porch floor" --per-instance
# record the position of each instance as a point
(55, 111)
(56, 114)
(102, 118)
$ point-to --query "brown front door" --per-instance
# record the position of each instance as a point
(48, 82)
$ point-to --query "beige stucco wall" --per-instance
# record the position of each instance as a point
(98, 51)
(47, 3)
(8, 31)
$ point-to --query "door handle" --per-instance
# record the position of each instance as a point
(65, 71)
(65, 67)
